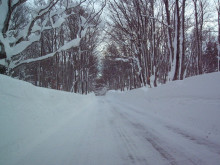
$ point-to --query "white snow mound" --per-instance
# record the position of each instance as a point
(176, 123)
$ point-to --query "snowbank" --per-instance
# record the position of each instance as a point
(192, 104)
(176, 122)
(29, 115)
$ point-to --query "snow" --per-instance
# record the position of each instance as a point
(14, 2)
(18, 48)
(4, 10)
(122, 59)
(176, 123)
(193, 103)
(73, 43)
(2, 62)
(16, 63)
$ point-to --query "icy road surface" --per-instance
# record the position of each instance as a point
(117, 129)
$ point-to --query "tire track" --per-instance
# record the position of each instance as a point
(167, 153)
(154, 142)
(200, 141)
(133, 153)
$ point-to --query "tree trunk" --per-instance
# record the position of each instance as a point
(177, 43)
(166, 2)
(2, 56)
(199, 67)
(218, 32)
(183, 42)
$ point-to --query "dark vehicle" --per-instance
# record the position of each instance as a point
(101, 91)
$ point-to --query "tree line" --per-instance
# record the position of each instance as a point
(155, 41)
(51, 43)
(55, 43)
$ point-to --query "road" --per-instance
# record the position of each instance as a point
(110, 133)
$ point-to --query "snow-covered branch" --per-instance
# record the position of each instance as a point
(66, 46)
(47, 17)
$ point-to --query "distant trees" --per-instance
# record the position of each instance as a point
(158, 41)
(130, 27)
(118, 73)
(209, 57)
(53, 43)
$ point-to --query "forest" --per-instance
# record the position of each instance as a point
(109, 82)
(82, 46)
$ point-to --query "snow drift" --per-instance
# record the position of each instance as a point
(176, 123)
(29, 115)
(193, 103)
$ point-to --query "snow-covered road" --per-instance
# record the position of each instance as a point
(117, 129)
(106, 133)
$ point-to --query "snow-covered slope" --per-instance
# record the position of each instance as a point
(193, 103)
(29, 115)
(177, 123)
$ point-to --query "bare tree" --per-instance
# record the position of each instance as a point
(31, 32)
